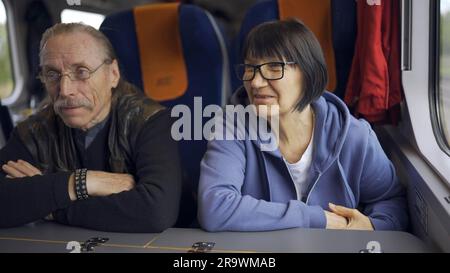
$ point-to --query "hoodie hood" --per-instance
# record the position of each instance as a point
(328, 140)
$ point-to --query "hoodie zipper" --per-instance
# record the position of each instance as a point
(317, 180)
(314, 185)
(292, 178)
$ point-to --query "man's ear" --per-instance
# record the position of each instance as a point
(115, 73)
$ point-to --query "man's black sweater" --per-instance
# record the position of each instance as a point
(151, 206)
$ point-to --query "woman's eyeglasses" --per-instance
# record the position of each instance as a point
(269, 71)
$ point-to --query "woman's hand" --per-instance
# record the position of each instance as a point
(356, 220)
(335, 221)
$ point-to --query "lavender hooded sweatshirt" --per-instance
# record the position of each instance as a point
(243, 188)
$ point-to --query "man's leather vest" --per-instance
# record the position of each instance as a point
(52, 145)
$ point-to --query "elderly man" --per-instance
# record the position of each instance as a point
(98, 155)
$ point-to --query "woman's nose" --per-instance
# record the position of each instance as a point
(258, 80)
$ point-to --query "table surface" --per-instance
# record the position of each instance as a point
(45, 236)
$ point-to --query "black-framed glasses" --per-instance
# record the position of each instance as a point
(269, 71)
(79, 74)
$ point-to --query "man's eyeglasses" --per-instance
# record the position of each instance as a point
(79, 74)
(269, 71)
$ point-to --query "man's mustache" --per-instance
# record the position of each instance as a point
(66, 103)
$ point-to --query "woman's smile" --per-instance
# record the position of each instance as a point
(263, 99)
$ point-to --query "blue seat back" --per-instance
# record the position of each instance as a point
(206, 63)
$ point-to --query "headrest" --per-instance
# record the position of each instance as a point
(317, 16)
(163, 67)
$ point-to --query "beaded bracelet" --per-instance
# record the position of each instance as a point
(80, 184)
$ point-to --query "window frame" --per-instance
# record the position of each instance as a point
(416, 124)
(8, 40)
(434, 73)
(17, 62)
(76, 8)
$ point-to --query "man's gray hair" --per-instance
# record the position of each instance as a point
(66, 28)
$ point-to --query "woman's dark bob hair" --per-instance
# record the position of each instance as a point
(291, 41)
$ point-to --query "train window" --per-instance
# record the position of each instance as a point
(76, 16)
(444, 70)
(6, 75)
(441, 95)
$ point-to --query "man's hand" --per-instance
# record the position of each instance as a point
(335, 221)
(98, 183)
(356, 220)
(103, 183)
(19, 169)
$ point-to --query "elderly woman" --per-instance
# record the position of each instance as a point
(329, 170)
